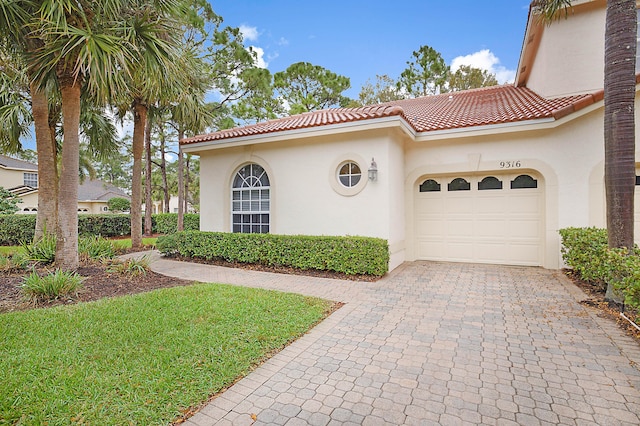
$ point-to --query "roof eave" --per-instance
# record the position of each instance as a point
(511, 127)
(394, 121)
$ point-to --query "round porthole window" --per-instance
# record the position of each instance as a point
(349, 174)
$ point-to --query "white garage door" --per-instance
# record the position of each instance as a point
(483, 219)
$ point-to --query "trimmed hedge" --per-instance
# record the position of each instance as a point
(167, 223)
(586, 251)
(105, 225)
(349, 255)
(17, 228)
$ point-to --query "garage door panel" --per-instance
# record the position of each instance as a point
(430, 205)
(459, 227)
(457, 205)
(490, 226)
(526, 203)
(487, 251)
(523, 229)
(491, 205)
(437, 248)
(522, 254)
(461, 251)
(431, 228)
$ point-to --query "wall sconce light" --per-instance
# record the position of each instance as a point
(373, 171)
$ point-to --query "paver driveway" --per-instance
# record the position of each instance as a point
(437, 343)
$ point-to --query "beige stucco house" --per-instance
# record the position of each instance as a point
(21, 178)
(487, 175)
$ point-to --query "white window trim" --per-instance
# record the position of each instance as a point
(334, 175)
(241, 190)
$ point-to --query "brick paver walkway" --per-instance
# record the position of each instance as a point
(436, 343)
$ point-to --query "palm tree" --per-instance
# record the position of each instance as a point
(19, 40)
(619, 125)
(91, 44)
(156, 76)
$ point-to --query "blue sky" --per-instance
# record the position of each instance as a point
(364, 38)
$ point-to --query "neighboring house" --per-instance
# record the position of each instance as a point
(94, 195)
(21, 178)
(487, 175)
(157, 206)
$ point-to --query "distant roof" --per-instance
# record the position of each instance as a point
(22, 190)
(94, 190)
(447, 111)
(13, 163)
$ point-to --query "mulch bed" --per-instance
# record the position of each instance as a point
(100, 283)
(595, 299)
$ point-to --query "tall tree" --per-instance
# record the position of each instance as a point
(426, 73)
(384, 90)
(467, 77)
(259, 103)
(21, 37)
(621, 30)
(155, 35)
(308, 87)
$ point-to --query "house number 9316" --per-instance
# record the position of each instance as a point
(510, 164)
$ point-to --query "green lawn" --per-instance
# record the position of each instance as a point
(126, 243)
(141, 359)
(7, 250)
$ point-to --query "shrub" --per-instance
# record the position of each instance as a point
(119, 204)
(349, 255)
(167, 223)
(16, 228)
(8, 202)
(131, 266)
(42, 251)
(96, 248)
(14, 262)
(51, 286)
(587, 252)
(105, 225)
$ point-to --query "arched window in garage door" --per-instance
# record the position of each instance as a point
(430, 185)
(459, 184)
(489, 182)
(524, 181)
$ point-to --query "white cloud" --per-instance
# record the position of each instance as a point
(249, 33)
(283, 42)
(486, 60)
(260, 62)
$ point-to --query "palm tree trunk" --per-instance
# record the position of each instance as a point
(619, 125)
(139, 124)
(67, 229)
(187, 167)
(163, 171)
(181, 207)
(47, 171)
(148, 209)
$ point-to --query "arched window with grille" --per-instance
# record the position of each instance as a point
(250, 200)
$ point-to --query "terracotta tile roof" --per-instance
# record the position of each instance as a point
(469, 108)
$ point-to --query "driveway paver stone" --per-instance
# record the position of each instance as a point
(436, 344)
